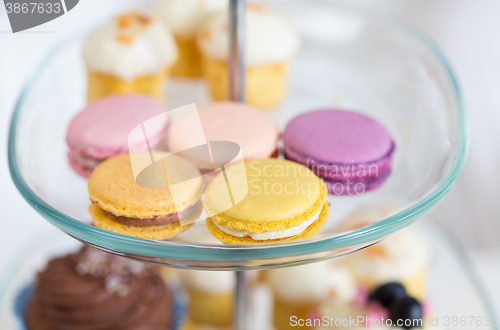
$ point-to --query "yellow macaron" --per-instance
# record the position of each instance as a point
(121, 205)
(283, 201)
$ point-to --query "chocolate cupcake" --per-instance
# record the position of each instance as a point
(93, 290)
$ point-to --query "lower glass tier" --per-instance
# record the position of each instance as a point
(453, 287)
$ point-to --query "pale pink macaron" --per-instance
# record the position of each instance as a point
(252, 129)
(101, 130)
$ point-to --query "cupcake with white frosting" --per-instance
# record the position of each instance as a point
(131, 53)
(365, 216)
(299, 291)
(185, 17)
(210, 296)
(402, 258)
(270, 46)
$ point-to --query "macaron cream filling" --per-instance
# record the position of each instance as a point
(84, 160)
(193, 211)
(102, 130)
(279, 200)
(273, 234)
(340, 171)
(91, 155)
(121, 205)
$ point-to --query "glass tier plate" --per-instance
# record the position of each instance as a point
(453, 286)
(348, 59)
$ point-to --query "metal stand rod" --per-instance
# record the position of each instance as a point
(242, 302)
(236, 92)
(236, 56)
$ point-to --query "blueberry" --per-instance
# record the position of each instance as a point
(387, 293)
(406, 308)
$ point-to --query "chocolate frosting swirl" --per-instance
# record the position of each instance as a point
(93, 290)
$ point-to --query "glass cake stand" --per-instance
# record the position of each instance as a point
(349, 58)
(448, 271)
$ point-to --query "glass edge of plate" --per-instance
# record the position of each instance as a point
(16, 261)
(468, 268)
(15, 264)
(175, 251)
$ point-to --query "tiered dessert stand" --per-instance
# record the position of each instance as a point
(349, 58)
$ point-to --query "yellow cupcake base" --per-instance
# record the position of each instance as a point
(283, 311)
(266, 85)
(213, 309)
(101, 85)
(103, 221)
(191, 325)
(188, 63)
(311, 232)
(415, 285)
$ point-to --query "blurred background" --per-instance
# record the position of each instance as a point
(466, 31)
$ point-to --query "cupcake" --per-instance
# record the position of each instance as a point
(210, 296)
(365, 216)
(210, 293)
(131, 53)
(91, 289)
(401, 258)
(270, 46)
(299, 291)
(185, 17)
(191, 325)
(265, 201)
(254, 131)
(350, 317)
(388, 306)
(133, 199)
(102, 129)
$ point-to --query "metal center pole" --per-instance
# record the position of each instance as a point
(242, 311)
(236, 58)
(236, 92)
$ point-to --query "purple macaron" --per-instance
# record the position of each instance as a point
(350, 151)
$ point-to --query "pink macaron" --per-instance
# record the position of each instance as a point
(253, 130)
(101, 130)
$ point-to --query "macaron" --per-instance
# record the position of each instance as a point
(101, 130)
(252, 129)
(350, 151)
(283, 201)
(121, 205)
